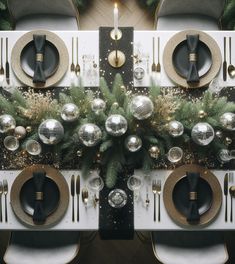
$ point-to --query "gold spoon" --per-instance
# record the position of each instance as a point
(231, 68)
(232, 195)
(154, 66)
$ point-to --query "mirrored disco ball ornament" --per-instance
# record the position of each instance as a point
(175, 128)
(98, 105)
(202, 134)
(226, 155)
(141, 107)
(51, 132)
(33, 147)
(11, 143)
(69, 112)
(133, 143)
(175, 154)
(7, 122)
(227, 120)
(116, 125)
(90, 134)
(117, 198)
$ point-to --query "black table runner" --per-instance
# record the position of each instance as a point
(116, 223)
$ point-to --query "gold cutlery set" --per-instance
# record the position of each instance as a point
(75, 188)
(228, 69)
(3, 191)
(229, 189)
(75, 68)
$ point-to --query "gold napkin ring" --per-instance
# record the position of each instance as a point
(39, 57)
(192, 57)
(193, 196)
(38, 196)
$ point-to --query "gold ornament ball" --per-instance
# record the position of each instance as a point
(228, 141)
(202, 114)
(154, 152)
(20, 132)
(28, 129)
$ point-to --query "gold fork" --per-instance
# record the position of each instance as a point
(1, 192)
(77, 68)
(72, 66)
(159, 189)
(154, 190)
(5, 191)
(85, 195)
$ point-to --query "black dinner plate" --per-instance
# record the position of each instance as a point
(51, 59)
(181, 196)
(51, 196)
(181, 61)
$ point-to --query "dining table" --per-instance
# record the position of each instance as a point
(88, 56)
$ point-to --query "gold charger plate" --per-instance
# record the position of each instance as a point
(22, 178)
(168, 61)
(63, 59)
(206, 175)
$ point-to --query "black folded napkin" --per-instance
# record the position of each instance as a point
(193, 211)
(39, 215)
(192, 42)
(39, 44)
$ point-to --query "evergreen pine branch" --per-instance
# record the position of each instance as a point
(64, 98)
(148, 163)
(6, 106)
(108, 96)
(114, 167)
(118, 90)
(18, 98)
(89, 155)
(152, 140)
(106, 145)
(154, 91)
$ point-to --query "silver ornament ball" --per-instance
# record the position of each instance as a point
(202, 134)
(116, 125)
(133, 143)
(227, 120)
(20, 132)
(98, 105)
(69, 112)
(141, 107)
(219, 134)
(175, 128)
(33, 147)
(90, 134)
(11, 143)
(7, 122)
(51, 131)
(154, 152)
(175, 154)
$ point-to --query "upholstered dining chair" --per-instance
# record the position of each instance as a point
(189, 14)
(189, 247)
(44, 14)
(44, 247)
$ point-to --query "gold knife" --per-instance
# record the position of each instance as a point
(226, 196)
(225, 62)
(7, 66)
(72, 194)
(78, 193)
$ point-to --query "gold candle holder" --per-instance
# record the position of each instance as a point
(117, 36)
(116, 57)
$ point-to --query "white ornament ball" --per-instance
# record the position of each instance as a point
(202, 134)
(175, 128)
(69, 112)
(116, 125)
(33, 147)
(11, 143)
(20, 132)
(141, 107)
(175, 154)
(90, 134)
(51, 131)
(227, 120)
(98, 105)
(7, 122)
(133, 143)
